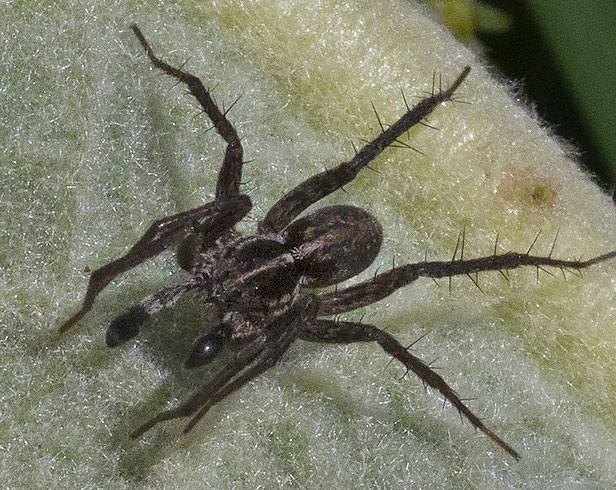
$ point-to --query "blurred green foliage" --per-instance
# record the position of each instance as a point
(562, 51)
(465, 17)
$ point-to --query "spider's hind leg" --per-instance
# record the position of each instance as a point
(318, 186)
(346, 332)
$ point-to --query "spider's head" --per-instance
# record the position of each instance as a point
(259, 269)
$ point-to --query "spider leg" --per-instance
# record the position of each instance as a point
(384, 284)
(317, 187)
(346, 332)
(126, 326)
(269, 358)
(242, 359)
(266, 350)
(211, 220)
(231, 172)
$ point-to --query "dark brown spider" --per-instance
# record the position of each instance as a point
(261, 283)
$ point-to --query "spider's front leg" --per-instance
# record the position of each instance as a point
(210, 220)
(347, 332)
(264, 351)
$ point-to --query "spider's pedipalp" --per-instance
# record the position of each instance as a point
(240, 361)
(265, 350)
(296, 320)
(126, 326)
(204, 349)
(329, 331)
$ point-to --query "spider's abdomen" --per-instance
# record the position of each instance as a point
(334, 243)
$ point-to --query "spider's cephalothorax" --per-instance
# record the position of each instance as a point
(252, 279)
(262, 284)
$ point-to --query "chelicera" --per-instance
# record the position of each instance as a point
(262, 284)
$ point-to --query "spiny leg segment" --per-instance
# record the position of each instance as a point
(317, 187)
(384, 284)
(348, 332)
(211, 220)
(265, 351)
(230, 174)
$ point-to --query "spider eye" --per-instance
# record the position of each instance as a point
(204, 350)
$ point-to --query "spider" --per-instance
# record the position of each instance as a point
(262, 283)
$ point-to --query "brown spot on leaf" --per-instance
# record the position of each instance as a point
(524, 189)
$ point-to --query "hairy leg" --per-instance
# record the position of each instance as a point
(266, 350)
(269, 357)
(230, 174)
(211, 220)
(242, 359)
(382, 285)
(317, 187)
(347, 332)
(126, 326)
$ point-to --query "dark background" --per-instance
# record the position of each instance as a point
(563, 54)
